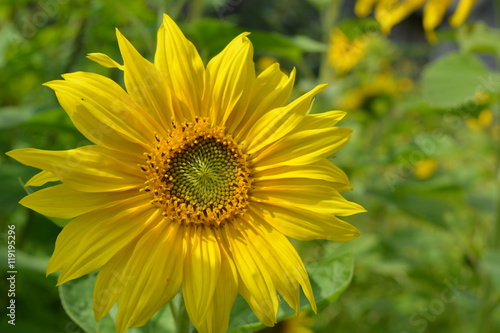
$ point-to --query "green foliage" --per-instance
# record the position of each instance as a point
(211, 36)
(479, 38)
(455, 79)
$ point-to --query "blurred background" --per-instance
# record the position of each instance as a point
(424, 158)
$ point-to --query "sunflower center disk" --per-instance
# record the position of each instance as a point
(198, 175)
(204, 174)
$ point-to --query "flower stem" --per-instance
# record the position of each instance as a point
(182, 321)
(329, 16)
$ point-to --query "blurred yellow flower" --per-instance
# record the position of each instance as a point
(425, 169)
(481, 97)
(382, 84)
(484, 120)
(264, 62)
(344, 54)
(297, 324)
(390, 12)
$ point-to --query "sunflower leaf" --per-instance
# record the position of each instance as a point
(213, 35)
(455, 79)
(59, 222)
(76, 298)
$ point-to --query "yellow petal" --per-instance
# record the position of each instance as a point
(431, 36)
(90, 240)
(463, 10)
(153, 275)
(201, 271)
(303, 147)
(256, 285)
(321, 199)
(64, 202)
(321, 120)
(434, 11)
(41, 178)
(364, 7)
(147, 86)
(226, 290)
(265, 254)
(391, 12)
(272, 89)
(279, 255)
(104, 60)
(102, 111)
(178, 59)
(278, 122)
(88, 168)
(228, 83)
(323, 171)
(304, 224)
(111, 280)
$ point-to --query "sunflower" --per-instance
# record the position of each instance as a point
(194, 180)
(390, 12)
(344, 54)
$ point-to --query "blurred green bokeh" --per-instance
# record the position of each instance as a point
(423, 160)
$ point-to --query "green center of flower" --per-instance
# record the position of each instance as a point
(198, 174)
(204, 174)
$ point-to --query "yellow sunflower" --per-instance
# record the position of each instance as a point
(344, 54)
(194, 180)
(390, 12)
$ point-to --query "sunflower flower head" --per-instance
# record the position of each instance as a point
(344, 54)
(195, 178)
(484, 120)
(425, 169)
(391, 12)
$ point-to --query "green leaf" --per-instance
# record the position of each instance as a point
(479, 38)
(13, 115)
(490, 262)
(76, 298)
(427, 209)
(355, 28)
(421, 205)
(58, 221)
(330, 275)
(308, 44)
(211, 36)
(276, 45)
(454, 79)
